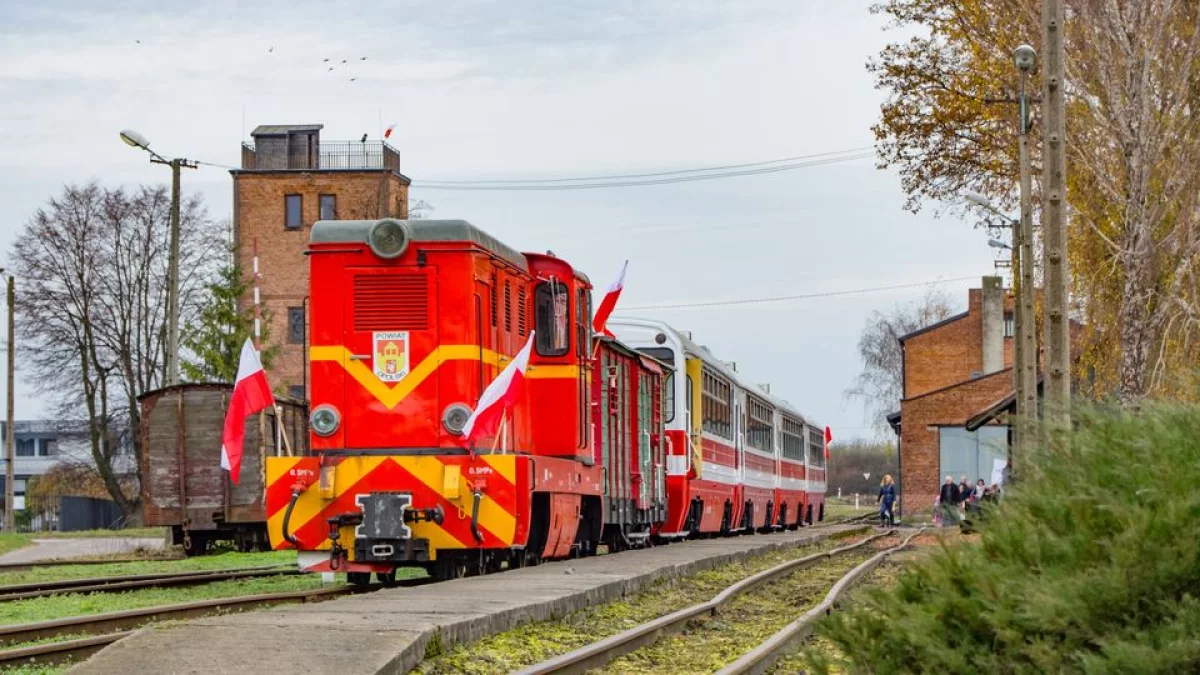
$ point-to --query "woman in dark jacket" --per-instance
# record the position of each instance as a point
(887, 497)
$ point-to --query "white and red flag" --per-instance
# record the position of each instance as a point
(828, 440)
(251, 393)
(388, 134)
(499, 397)
(608, 303)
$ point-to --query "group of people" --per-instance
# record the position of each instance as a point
(951, 505)
(955, 501)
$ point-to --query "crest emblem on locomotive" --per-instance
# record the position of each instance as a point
(391, 355)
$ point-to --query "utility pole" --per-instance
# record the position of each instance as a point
(1054, 222)
(1025, 344)
(134, 139)
(10, 454)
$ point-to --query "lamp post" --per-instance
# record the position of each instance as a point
(10, 454)
(136, 140)
(1024, 345)
(1025, 354)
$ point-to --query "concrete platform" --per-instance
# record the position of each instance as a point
(389, 631)
(80, 547)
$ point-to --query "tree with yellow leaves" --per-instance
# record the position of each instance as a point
(1133, 147)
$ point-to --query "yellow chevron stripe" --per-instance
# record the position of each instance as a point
(391, 395)
(492, 517)
(504, 465)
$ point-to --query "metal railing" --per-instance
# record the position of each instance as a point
(327, 155)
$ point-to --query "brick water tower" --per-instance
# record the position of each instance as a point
(289, 179)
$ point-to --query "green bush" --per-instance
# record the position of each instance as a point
(1092, 565)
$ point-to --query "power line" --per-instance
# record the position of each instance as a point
(782, 298)
(660, 181)
(648, 175)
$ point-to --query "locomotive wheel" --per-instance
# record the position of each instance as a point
(359, 578)
(388, 579)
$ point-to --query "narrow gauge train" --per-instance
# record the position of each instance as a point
(410, 320)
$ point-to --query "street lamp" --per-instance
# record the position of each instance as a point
(1025, 346)
(10, 454)
(137, 140)
(996, 243)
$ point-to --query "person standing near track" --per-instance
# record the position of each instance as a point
(949, 501)
(887, 498)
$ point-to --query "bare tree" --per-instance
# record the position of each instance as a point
(91, 310)
(880, 385)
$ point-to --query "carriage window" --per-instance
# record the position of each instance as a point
(552, 301)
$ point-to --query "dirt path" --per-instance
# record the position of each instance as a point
(51, 549)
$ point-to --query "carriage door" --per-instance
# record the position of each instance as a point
(645, 454)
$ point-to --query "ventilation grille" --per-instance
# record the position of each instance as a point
(522, 327)
(495, 304)
(391, 302)
(507, 306)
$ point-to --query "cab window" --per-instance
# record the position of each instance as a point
(552, 300)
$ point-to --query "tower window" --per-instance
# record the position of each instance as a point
(328, 207)
(293, 217)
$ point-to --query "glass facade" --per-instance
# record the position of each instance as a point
(972, 452)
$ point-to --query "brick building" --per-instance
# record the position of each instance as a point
(953, 371)
(289, 179)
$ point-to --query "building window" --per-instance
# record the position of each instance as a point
(293, 207)
(976, 454)
(1009, 325)
(296, 391)
(296, 325)
(26, 447)
(328, 207)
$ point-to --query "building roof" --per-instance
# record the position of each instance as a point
(1008, 404)
(284, 129)
(357, 231)
(934, 326)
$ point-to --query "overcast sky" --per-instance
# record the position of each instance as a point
(528, 89)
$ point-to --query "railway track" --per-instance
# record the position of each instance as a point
(762, 657)
(36, 564)
(104, 629)
(112, 584)
(604, 651)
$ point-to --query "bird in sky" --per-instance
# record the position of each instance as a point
(324, 60)
(353, 79)
(271, 50)
(330, 69)
(363, 59)
(138, 41)
(343, 60)
(364, 138)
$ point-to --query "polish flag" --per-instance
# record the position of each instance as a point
(251, 393)
(609, 302)
(388, 133)
(828, 440)
(499, 397)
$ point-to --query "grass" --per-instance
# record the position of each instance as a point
(533, 642)
(200, 563)
(75, 604)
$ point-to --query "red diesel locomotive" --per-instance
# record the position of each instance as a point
(410, 320)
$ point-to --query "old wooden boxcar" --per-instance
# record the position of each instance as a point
(181, 433)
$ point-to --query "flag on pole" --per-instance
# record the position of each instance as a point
(828, 440)
(251, 393)
(499, 397)
(608, 303)
(388, 134)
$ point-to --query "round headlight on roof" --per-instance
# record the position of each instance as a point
(388, 238)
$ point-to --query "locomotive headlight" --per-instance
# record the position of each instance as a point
(325, 420)
(388, 238)
(455, 417)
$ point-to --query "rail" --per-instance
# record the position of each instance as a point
(603, 651)
(762, 657)
(39, 589)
